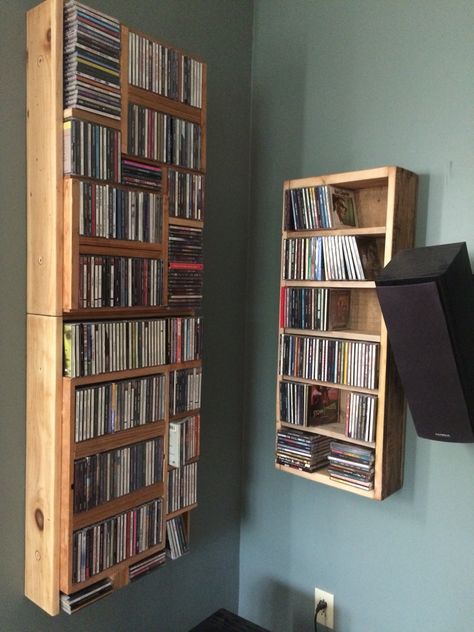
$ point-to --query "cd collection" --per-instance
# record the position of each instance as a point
(114, 406)
(183, 440)
(176, 538)
(102, 477)
(182, 487)
(348, 362)
(106, 281)
(91, 348)
(185, 194)
(100, 546)
(91, 60)
(162, 137)
(185, 390)
(114, 212)
(301, 450)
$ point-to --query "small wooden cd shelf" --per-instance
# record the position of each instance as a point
(336, 380)
(114, 280)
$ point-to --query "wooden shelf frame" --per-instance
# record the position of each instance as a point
(76, 245)
(54, 247)
(386, 202)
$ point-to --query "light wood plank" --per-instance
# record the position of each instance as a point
(119, 439)
(155, 101)
(67, 478)
(390, 439)
(342, 334)
(115, 313)
(118, 505)
(180, 221)
(92, 117)
(43, 458)
(117, 375)
(44, 137)
(333, 430)
(342, 284)
(119, 247)
(124, 87)
(352, 180)
(71, 245)
(342, 387)
(180, 512)
(322, 476)
(116, 572)
(303, 234)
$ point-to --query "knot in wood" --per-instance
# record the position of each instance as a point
(39, 518)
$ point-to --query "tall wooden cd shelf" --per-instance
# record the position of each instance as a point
(337, 382)
(115, 220)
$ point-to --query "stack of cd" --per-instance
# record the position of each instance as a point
(301, 450)
(91, 60)
(352, 464)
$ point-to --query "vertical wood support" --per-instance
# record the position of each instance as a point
(402, 193)
(44, 302)
(124, 87)
(43, 452)
(44, 158)
(70, 272)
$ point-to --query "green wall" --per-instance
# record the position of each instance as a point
(184, 592)
(342, 85)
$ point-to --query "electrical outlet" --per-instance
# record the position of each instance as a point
(326, 617)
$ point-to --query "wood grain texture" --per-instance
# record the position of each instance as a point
(92, 117)
(44, 134)
(71, 242)
(43, 453)
(401, 210)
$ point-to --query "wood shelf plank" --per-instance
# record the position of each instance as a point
(181, 221)
(119, 247)
(181, 511)
(114, 440)
(163, 165)
(114, 572)
(157, 102)
(342, 387)
(186, 413)
(366, 178)
(131, 373)
(117, 506)
(343, 334)
(91, 117)
(322, 476)
(333, 430)
(117, 313)
(373, 231)
(347, 284)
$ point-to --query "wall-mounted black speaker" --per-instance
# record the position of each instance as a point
(427, 300)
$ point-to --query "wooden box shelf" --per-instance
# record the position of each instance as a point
(385, 199)
(56, 248)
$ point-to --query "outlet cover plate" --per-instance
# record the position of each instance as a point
(326, 617)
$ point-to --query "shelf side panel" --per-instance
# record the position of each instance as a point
(401, 210)
(43, 438)
(44, 158)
